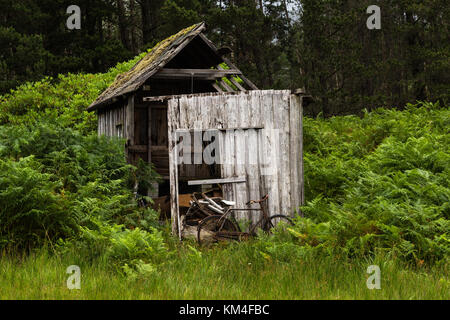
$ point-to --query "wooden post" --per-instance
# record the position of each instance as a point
(149, 133)
(173, 168)
(301, 173)
(130, 120)
(129, 127)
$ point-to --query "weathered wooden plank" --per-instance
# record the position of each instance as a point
(149, 135)
(227, 147)
(294, 152)
(199, 72)
(241, 196)
(226, 86)
(173, 168)
(191, 95)
(183, 76)
(111, 123)
(225, 129)
(301, 180)
(236, 83)
(243, 120)
(253, 177)
(270, 151)
(108, 122)
(99, 123)
(247, 81)
(281, 119)
(138, 148)
(255, 185)
(216, 181)
(130, 120)
(228, 62)
(217, 87)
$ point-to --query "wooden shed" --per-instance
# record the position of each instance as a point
(185, 87)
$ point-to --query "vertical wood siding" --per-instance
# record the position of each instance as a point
(111, 120)
(246, 152)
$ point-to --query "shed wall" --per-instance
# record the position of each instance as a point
(112, 122)
(267, 150)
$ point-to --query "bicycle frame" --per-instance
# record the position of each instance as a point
(265, 217)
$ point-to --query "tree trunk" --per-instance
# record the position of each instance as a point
(147, 22)
(124, 29)
(133, 32)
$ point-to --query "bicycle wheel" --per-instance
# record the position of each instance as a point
(278, 220)
(216, 228)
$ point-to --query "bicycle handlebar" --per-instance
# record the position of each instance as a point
(258, 201)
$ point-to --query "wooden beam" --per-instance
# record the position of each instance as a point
(185, 76)
(173, 172)
(138, 148)
(227, 61)
(216, 181)
(213, 72)
(159, 148)
(226, 86)
(248, 82)
(129, 130)
(232, 80)
(217, 87)
(149, 135)
(202, 74)
(159, 99)
(224, 129)
(236, 83)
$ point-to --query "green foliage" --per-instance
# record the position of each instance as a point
(219, 274)
(61, 182)
(31, 208)
(62, 100)
(376, 185)
(22, 58)
(138, 245)
(123, 248)
(55, 179)
(347, 67)
(380, 182)
(35, 42)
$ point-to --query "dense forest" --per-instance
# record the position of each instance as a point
(323, 46)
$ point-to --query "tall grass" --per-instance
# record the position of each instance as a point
(220, 273)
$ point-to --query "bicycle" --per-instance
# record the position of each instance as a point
(222, 227)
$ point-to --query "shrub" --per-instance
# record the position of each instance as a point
(379, 183)
(32, 209)
(55, 179)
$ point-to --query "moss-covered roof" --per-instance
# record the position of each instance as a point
(155, 59)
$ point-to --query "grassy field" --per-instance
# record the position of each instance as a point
(220, 273)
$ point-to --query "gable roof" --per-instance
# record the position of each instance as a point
(160, 55)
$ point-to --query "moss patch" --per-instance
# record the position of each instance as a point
(149, 58)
